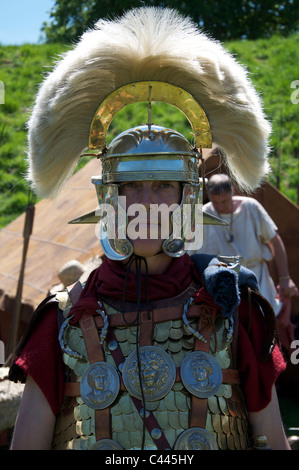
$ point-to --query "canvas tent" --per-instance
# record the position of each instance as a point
(52, 243)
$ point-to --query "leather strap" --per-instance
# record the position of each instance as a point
(199, 411)
(91, 338)
(95, 353)
(270, 323)
(146, 328)
(158, 315)
(230, 376)
(147, 322)
(150, 421)
(75, 291)
(199, 406)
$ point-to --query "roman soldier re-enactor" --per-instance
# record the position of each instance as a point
(156, 350)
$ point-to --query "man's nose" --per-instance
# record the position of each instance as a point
(147, 196)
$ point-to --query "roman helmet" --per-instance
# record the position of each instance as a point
(148, 55)
(148, 152)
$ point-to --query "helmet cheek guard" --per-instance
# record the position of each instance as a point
(185, 220)
(112, 227)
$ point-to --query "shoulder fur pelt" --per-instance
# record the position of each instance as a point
(145, 44)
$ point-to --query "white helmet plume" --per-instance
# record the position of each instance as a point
(145, 44)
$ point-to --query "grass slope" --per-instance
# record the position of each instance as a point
(273, 65)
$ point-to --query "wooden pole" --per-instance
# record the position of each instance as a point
(14, 326)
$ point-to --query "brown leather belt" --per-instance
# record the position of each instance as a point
(230, 376)
(157, 316)
(95, 353)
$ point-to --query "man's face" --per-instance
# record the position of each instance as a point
(153, 225)
(223, 203)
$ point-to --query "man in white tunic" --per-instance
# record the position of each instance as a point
(250, 234)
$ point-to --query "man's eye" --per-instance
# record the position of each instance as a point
(131, 184)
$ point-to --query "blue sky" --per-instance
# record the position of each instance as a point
(21, 20)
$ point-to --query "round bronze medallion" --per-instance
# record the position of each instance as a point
(99, 385)
(106, 444)
(158, 373)
(196, 439)
(201, 374)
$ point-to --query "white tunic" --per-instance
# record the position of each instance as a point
(252, 228)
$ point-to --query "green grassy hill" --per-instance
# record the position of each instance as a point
(273, 65)
(274, 68)
(21, 69)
